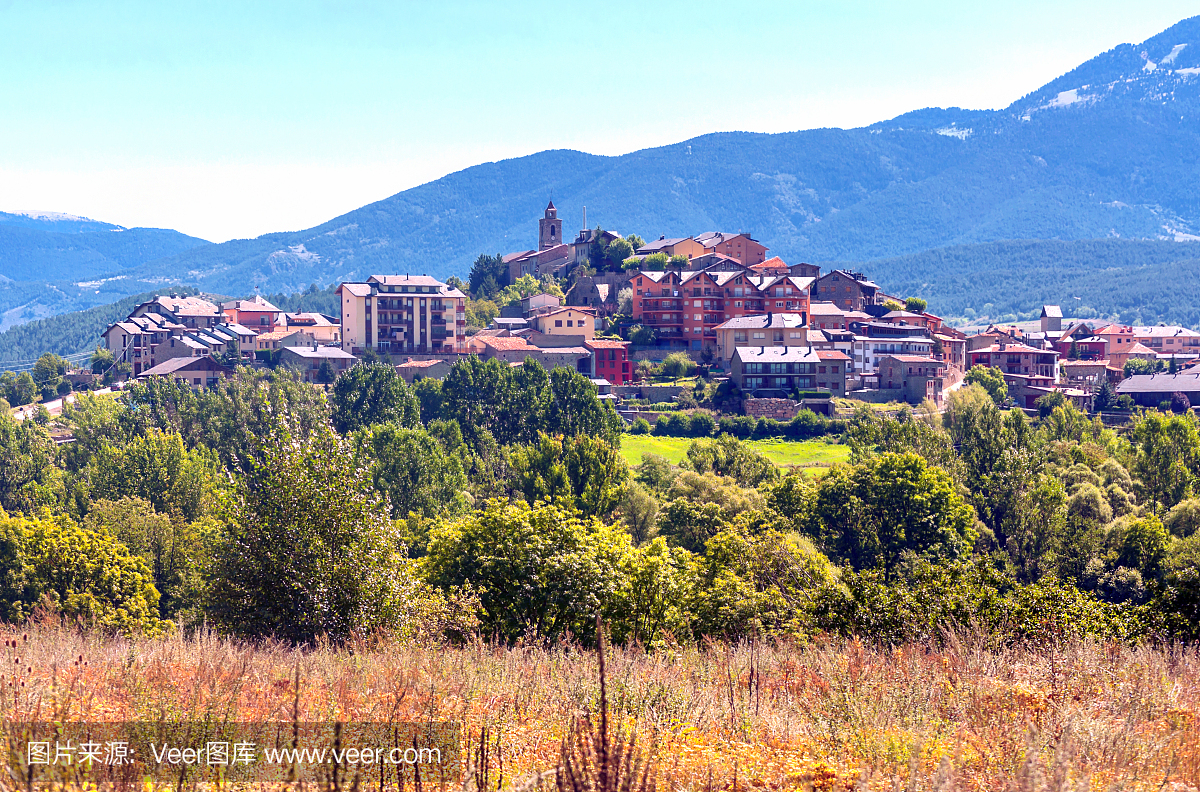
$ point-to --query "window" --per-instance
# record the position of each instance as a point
(696, 317)
(570, 323)
(797, 335)
(779, 303)
(760, 335)
(737, 303)
(558, 322)
(696, 304)
(820, 369)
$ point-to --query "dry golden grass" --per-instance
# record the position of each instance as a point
(827, 715)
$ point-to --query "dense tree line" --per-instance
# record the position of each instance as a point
(497, 502)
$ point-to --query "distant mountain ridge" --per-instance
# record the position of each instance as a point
(1109, 150)
(1119, 157)
(52, 263)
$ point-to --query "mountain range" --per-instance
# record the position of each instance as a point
(1110, 150)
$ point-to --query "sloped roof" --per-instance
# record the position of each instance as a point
(775, 354)
(187, 306)
(336, 353)
(173, 365)
(357, 289)
(761, 321)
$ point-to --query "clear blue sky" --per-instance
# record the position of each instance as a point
(233, 119)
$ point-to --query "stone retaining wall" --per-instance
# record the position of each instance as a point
(779, 409)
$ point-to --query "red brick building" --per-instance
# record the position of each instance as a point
(685, 307)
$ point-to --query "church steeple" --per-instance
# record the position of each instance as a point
(549, 228)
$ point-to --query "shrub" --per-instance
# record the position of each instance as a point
(640, 426)
(741, 426)
(1180, 403)
(309, 549)
(82, 574)
(672, 425)
(678, 364)
(807, 424)
(702, 424)
(542, 572)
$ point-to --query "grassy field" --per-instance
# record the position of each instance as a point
(807, 453)
(755, 717)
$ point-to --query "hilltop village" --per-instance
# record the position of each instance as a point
(786, 336)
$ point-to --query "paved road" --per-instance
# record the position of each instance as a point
(54, 406)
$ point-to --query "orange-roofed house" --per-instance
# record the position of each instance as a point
(610, 360)
(255, 313)
(772, 266)
(832, 367)
(1120, 341)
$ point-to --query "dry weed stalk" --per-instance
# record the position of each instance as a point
(608, 760)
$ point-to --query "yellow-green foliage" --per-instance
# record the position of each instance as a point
(78, 573)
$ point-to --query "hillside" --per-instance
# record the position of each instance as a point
(1137, 281)
(1111, 149)
(54, 263)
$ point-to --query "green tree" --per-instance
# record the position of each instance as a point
(992, 380)
(652, 602)
(415, 472)
(689, 524)
(750, 586)
(1047, 404)
(429, 393)
(326, 374)
(873, 512)
(308, 549)
(541, 571)
(48, 371)
(29, 479)
(480, 313)
(616, 252)
(1105, 397)
(587, 471)
(677, 262)
(172, 549)
(489, 274)
(101, 360)
(230, 417)
(18, 389)
(728, 456)
(525, 397)
(573, 408)
(472, 393)
(1165, 458)
(1135, 366)
(95, 420)
(641, 335)
(368, 394)
(678, 364)
(915, 305)
(159, 468)
(655, 262)
(82, 574)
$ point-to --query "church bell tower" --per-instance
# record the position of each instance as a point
(549, 229)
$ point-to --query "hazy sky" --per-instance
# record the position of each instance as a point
(236, 119)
